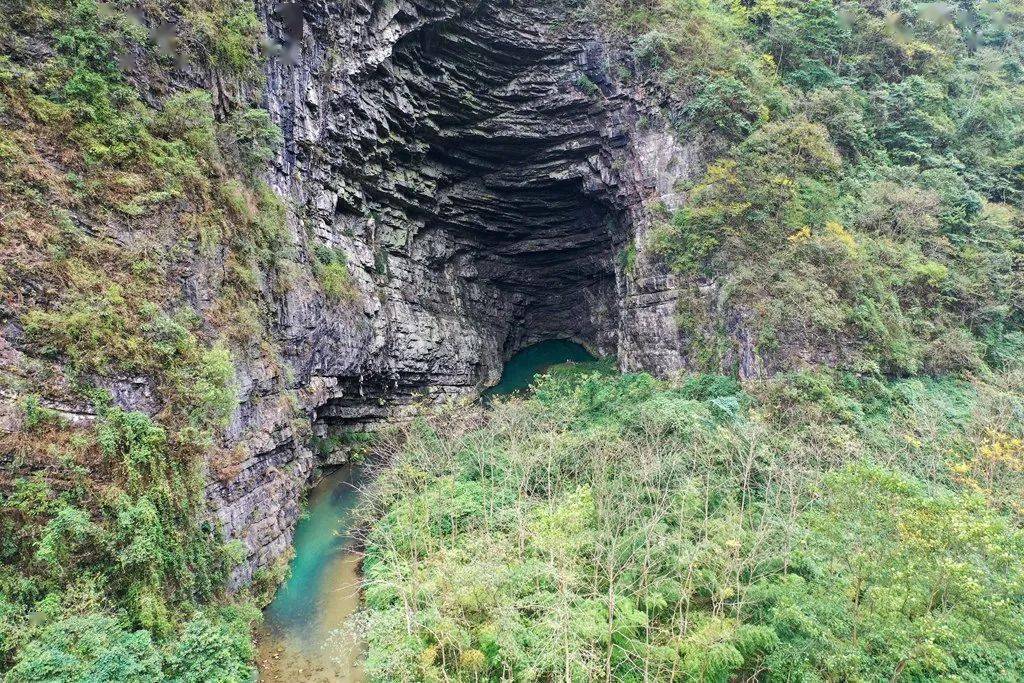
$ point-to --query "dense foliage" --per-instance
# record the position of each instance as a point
(111, 184)
(811, 527)
(862, 202)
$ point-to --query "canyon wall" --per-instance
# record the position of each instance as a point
(488, 179)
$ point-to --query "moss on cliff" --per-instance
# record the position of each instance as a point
(105, 195)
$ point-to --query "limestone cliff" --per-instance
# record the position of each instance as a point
(480, 169)
(485, 172)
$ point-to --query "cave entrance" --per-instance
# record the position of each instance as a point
(518, 373)
(513, 139)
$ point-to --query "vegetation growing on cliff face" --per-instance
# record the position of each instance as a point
(810, 527)
(108, 570)
(863, 205)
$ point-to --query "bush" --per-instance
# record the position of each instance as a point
(253, 140)
(215, 647)
(726, 105)
(229, 33)
(331, 266)
(91, 647)
(188, 117)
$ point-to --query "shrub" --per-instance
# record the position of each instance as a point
(842, 112)
(252, 138)
(90, 647)
(331, 266)
(188, 117)
(215, 647)
(899, 210)
(229, 32)
(774, 185)
(726, 105)
(94, 178)
(954, 351)
(37, 415)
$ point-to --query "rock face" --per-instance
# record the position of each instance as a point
(488, 179)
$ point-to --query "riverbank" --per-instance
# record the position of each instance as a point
(306, 635)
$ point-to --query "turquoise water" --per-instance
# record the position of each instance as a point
(303, 635)
(519, 371)
(320, 537)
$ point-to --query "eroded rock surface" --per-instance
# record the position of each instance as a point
(486, 175)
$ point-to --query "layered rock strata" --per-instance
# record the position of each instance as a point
(486, 177)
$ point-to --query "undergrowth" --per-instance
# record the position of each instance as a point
(810, 527)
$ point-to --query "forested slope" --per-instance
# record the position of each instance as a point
(810, 527)
(859, 519)
(862, 208)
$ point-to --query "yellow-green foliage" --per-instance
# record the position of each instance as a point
(136, 547)
(332, 270)
(850, 214)
(230, 31)
(812, 527)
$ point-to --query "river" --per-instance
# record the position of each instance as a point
(304, 637)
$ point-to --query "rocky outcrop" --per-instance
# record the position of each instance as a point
(485, 175)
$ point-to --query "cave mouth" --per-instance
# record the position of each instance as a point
(519, 371)
(511, 132)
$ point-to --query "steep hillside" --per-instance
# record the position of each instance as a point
(138, 245)
(235, 236)
(807, 527)
(862, 208)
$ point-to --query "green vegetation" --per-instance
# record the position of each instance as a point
(811, 527)
(99, 566)
(354, 445)
(109, 570)
(115, 191)
(863, 202)
(331, 267)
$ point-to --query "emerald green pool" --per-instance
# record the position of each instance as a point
(520, 370)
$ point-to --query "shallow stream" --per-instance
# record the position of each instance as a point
(304, 636)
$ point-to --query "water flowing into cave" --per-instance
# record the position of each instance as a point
(521, 369)
(306, 632)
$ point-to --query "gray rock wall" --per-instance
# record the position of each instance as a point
(484, 173)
